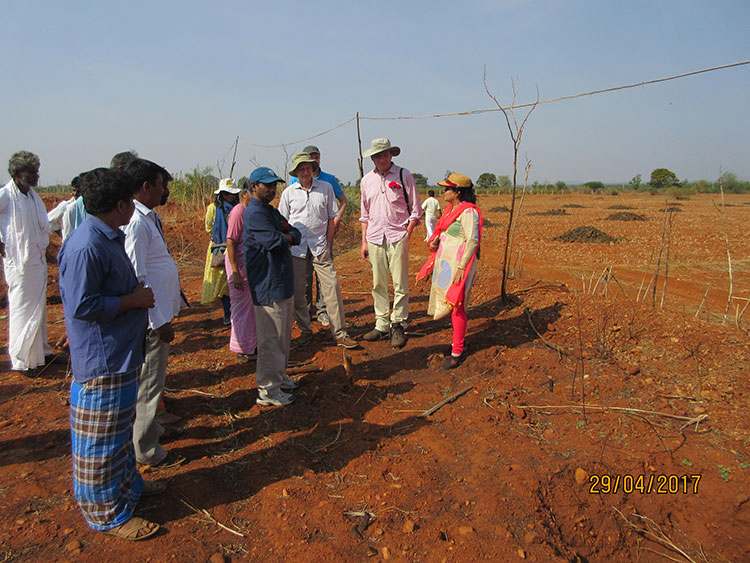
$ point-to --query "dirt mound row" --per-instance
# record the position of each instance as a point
(551, 212)
(620, 207)
(499, 209)
(574, 206)
(586, 233)
(671, 209)
(625, 216)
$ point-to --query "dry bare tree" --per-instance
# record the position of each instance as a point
(516, 133)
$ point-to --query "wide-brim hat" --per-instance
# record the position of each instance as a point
(457, 182)
(227, 185)
(301, 158)
(381, 145)
(264, 175)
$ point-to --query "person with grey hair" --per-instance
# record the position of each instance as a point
(25, 231)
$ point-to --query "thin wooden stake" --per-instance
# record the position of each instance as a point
(441, 404)
(702, 301)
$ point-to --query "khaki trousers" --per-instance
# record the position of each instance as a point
(274, 325)
(393, 259)
(329, 288)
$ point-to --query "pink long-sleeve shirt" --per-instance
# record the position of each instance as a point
(383, 207)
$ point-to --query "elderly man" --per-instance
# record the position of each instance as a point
(106, 318)
(147, 250)
(25, 231)
(309, 205)
(268, 238)
(319, 307)
(390, 211)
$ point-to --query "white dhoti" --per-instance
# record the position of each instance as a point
(27, 314)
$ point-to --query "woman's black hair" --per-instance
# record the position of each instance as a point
(466, 194)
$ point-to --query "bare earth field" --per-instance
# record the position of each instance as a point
(595, 426)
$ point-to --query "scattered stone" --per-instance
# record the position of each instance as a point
(386, 553)
(465, 530)
(530, 538)
(217, 558)
(408, 526)
(586, 233)
(73, 545)
(581, 475)
(514, 467)
(284, 493)
(521, 553)
(625, 216)
(548, 434)
(371, 552)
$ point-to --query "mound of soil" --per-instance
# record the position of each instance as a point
(670, 209)
(620, 207)
(574, 206)
(499, 209)
(625, 216)
(551, 212)
(586, 233)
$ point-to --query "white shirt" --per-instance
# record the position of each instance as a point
(309, 211)
(57, 213)
(147, 250)
(431, 207)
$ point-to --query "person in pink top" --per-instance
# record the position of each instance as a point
(390, 210)
(244, 338)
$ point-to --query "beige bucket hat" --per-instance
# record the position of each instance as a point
(381, 145)
(301, 158)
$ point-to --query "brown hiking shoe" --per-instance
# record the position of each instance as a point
(347, 342)
(374, 335)
(398, 338)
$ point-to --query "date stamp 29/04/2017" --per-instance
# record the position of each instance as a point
(645, 484)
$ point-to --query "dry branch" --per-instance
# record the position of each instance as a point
(441, 404)
(687, 419)
(204, 512)
(545, 342)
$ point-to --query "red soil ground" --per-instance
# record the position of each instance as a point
(505, 472)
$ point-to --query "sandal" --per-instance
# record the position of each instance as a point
(135, 529)
(452, 361)
(153, 488)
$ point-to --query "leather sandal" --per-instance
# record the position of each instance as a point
(135, 529)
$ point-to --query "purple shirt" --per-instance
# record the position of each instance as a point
(384, 207)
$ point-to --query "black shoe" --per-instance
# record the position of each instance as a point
(454, 361)
(398, 338)
(374, 335)
(171, 460)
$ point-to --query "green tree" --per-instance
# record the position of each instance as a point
(503, 181)
(663, 178)
(560, 185)
(594, 186)
(420, 180)
(635, 182)
(486, 179)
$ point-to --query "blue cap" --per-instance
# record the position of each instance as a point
(264, 175)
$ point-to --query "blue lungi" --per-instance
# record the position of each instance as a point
(106, 481)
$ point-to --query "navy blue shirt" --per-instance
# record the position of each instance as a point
(267, 257)
(94, 273)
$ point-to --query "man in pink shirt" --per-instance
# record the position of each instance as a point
(390, 210)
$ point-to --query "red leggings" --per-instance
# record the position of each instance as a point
(459, 322)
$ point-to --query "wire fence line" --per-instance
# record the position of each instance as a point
(509, 107)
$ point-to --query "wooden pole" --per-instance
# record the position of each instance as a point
(359, 141)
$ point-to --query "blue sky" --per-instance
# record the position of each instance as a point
(178, 81)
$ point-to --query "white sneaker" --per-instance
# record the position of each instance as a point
(289, 384)
(280, 399)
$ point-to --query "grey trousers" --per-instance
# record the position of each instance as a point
(329, 288)
(151, 375)
(274, 325)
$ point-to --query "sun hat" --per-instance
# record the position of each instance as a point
(227, 185)
(309, 149)
(456, 181)
(381, 145)
(301, 158)
(264, 175)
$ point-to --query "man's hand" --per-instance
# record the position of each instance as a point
(434, 243)
(237, 281)
(142, 296)
(365, 253)
(62, 343)
(165, 332)
(336, 223)
(410, 227)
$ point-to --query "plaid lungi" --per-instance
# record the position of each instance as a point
(106, 481)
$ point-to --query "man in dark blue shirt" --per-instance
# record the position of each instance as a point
(267, 238)
(106, 318)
